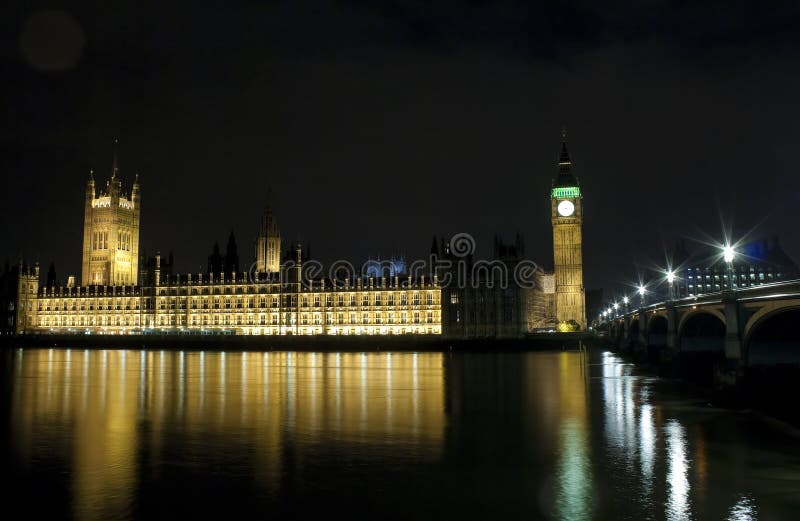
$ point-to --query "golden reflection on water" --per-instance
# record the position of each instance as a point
(96, 402)
(595, 441)
(575, 464)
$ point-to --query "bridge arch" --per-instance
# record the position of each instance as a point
(702, 330)
(701, 343)
(764, 312)
(685, 317)
(773, 336)
(772, 356)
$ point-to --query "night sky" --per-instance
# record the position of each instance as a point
(380, 123)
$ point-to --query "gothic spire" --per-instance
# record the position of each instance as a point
(564, 158)
(114, 168)
(565, 176)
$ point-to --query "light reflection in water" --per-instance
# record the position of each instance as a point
(677, 472)
(588, 446)
(575, 465)
(354, 397)
(743, 510)
(647, 446)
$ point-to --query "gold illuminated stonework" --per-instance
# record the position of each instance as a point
(567, 219)
(268, 302)
(111, 234)
(241, 306)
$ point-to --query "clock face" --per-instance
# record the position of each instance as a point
(566, 208)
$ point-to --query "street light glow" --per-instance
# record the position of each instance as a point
(625, 300)
(670, 276)
(641, 290)
(616, 306)
(728, 253)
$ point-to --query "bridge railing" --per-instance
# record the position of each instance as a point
(770, 290)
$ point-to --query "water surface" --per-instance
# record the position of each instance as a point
(116, 434)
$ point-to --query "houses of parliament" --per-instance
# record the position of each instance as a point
(122, 292)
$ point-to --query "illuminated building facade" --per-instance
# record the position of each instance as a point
(111, 233)
(270, 301)
(237, 304)
(567, 219)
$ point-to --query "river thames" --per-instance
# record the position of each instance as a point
(128, 434)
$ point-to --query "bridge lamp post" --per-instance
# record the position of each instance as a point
(616, 309)
(728, 254)
(641, 291)
(626, 301)
(671, 280)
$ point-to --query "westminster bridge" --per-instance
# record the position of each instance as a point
(724, 337)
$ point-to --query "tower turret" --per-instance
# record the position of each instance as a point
(268, 242)
(111, 231)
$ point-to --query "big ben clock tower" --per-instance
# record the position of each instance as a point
(567, 216)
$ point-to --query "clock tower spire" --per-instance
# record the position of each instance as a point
(566, 204)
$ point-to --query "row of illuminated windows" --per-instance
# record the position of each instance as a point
(123, 278)
(124, 241)
(717, 286)
(291, 301)
(100, 240)
(740, 276)
(235, 320)
(133, 303)
(742, 269)
(369, 299)
(380, 294)
(89, 321)
(89, 304)
(305, 319)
